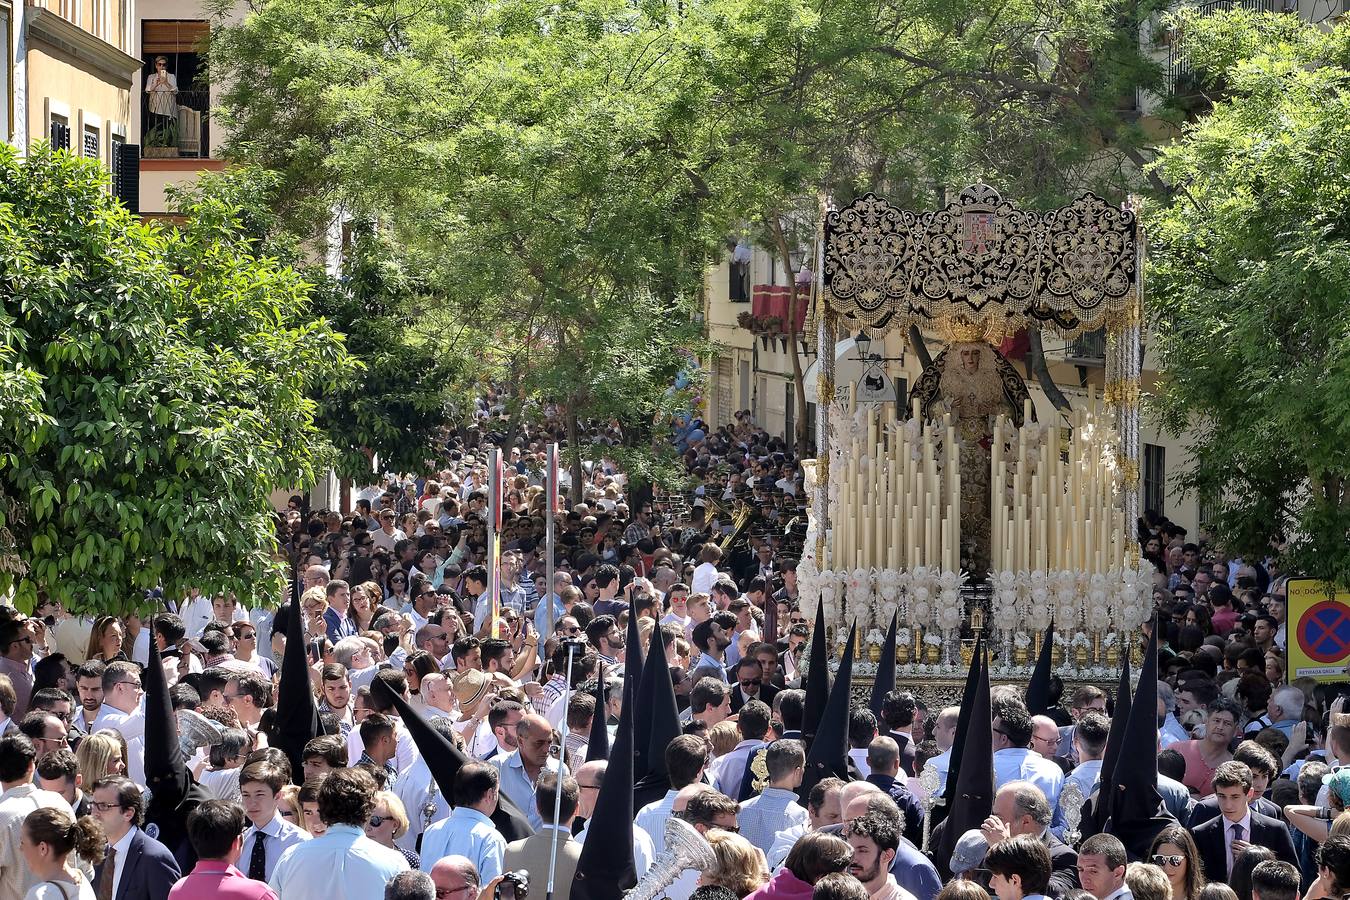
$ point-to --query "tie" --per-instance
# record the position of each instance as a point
(105, 881)
(257, 860)
(1237, 836)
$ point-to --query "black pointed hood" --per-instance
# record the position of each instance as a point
(443, 759)
(884, 681)
(817, 679)
(828, 755)
(962, 727)
(606, 868)
(297, 718)
(174, 793)
(1136, 811)
(971, 781)
(656, 692)
(597, 745)
(1038, 688)
(1095, 818)
(635, 664)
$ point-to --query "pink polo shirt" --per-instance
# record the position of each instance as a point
(214, 879)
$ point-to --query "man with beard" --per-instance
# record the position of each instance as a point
(874, 840)
(712, 638)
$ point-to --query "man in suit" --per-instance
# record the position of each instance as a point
(1086, 699)
(749, 685)
(533, 853)
(1020, 808)
(1264, 769)
(136, 866)
(1221, 841)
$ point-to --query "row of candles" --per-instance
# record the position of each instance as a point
(1054, 508)
(895, 506)
(898, 498)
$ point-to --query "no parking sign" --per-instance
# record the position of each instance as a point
(1319, 630)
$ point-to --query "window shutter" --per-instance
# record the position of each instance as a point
(60, 137)
(127, 175)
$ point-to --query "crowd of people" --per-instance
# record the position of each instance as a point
(395, 729)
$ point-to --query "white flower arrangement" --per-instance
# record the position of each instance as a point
(1080, 640)
(903, 637)
(949, 616)
(933, 639)
(875, 638)
(1098, 611)
(1021, 640)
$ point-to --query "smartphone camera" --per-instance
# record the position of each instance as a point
(513, 886)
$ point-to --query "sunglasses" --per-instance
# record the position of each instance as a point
(1159, 860)
(377, 821)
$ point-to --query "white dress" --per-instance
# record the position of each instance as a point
(62, 890)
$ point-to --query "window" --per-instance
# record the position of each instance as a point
(126, 174)
(1155, 477)
(175, 93)
(59, 132)
(91, 144)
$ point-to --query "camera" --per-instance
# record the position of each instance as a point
(513, 886)
(579, 646)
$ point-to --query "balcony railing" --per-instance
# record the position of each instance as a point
(1179, 60)
(1087, 349)
(186, 134)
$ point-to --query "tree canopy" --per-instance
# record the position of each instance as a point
(559, 176)
(1250, 288)
(158, 388)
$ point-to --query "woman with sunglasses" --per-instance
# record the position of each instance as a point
(1174, 852)
(388, 822)
(396, 589)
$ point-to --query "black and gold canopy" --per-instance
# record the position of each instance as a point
(980, 268)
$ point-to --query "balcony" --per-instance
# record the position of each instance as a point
(1087, 349)
(1179, 74)
(186, 135)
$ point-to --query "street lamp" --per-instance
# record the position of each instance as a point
(864, 344)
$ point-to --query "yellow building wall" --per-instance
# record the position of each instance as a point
(58, 83)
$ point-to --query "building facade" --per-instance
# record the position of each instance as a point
(67, 76)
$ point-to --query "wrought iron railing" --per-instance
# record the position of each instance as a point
(1179, 60)
(187, 133)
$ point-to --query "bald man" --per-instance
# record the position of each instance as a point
(520, 769)
(456, 878)
(590, 778)
(944, 733)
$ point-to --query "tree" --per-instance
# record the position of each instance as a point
(1250, 267)
(166, 379)
(392, 403)
(526, 161)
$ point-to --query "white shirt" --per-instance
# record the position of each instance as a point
(129, 725)
(1246, 826)
(417, 790)
(644, 851)
(405, 752)
(379, 538)
(705, 576)
(652, 817)
(465, 832)
(15, 805)
(123, 846)
(341, 864)
(278, 836)
(859, 758)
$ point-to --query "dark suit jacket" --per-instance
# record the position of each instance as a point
(1063, 867)
(906, 745)
(766, 695)
(1208, 808)
(1266, 832)
(148, 872)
